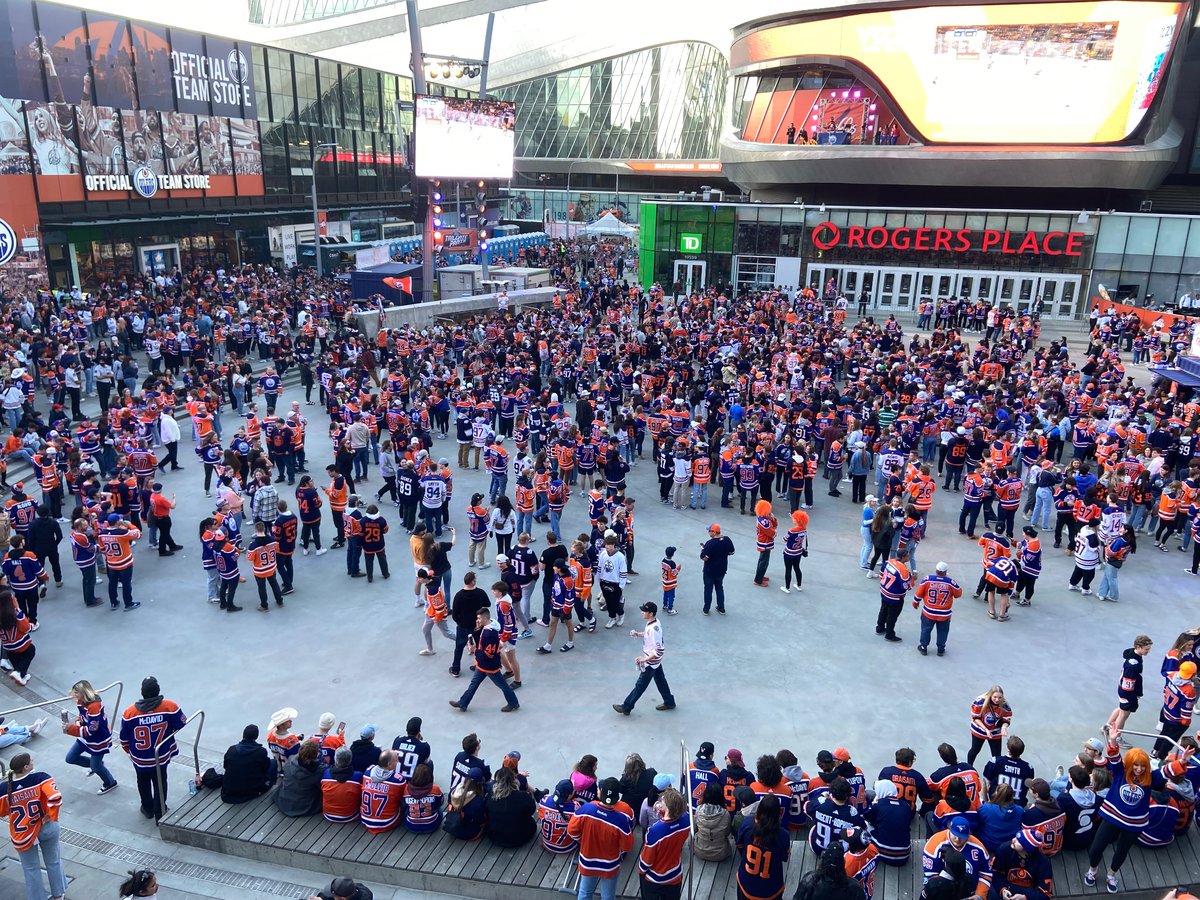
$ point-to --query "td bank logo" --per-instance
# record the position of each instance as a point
(690, 243)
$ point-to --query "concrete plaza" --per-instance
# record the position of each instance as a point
(803, 671)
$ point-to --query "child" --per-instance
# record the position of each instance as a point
(562, 600)
(507, 620)
(435, 609)
(670, 579)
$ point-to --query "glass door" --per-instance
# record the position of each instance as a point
(690, 275)
(966, 285)
(1058, 294)
(888, 282)
(906, 289)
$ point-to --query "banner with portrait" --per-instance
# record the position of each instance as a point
(152, 66)
(181, 152)
(64, 41)
(112, 61)
(143, 141)
(20, 53)
(100, 142)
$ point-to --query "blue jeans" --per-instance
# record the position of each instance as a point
(589, 883)
(31, 864)
(361, 459)
(554, 518)
(1042, 507)
(864, 556)
(700, 496)
(1137, 516)
(433, 519)
(14, 418)
(953, 474)
(648, 674)
(81, 756)
(927, 627)
(498, 486)
(525, 523)
(1108, 583)
(497, 679)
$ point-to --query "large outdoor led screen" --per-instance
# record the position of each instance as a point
(1028, 73)
(464, 138)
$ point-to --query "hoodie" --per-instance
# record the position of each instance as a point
(798, 779)
(890, 819)
(1046, 820)
(711, 823)
(365, 754)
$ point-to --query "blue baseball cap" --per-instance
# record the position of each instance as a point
(960, 827)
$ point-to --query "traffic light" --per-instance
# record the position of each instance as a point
(481, 205)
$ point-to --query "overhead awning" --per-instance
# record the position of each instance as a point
(1179, 376)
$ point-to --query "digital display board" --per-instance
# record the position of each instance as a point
(464, 138)
(1027, 73)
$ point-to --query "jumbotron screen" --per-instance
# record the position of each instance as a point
(1021, 73)
(464, 138)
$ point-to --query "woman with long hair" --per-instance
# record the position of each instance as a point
(583, 778)
(883, 527)
(31, 803)
(1124, 810)
(503, 524)
(93, 736)
(829, 880)
(763, 846)
(990, 716)
(999, 818)
(16, 638)
(467, 801)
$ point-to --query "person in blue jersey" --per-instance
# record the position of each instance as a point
(763, 846)
(1129, 687)
(1124, 810)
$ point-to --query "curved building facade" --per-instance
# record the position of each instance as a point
(993, 95)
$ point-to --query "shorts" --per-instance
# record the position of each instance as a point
(564, 614)
(1128, 704)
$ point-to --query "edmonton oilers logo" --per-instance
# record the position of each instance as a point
(238, 67)
(145, 182)
(8, 242)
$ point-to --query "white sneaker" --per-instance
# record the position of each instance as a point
(38, 725)
(786, 590)
(1088, 592)
(6, 665)
(611, 623)
(621, 620)
(428, 652)
(305, 551)
(322, 551)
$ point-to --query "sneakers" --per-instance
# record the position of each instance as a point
(305, 551)
(1089, 877)
(611, 623)
(134, 605)
(427, 652)
(105, 790)
(462, 708)
(1111, 882)
(617, 707)
(672, 611)
(322, 551)
(525, 634)
(663, 707)
(786, 590)
(621, 619)
(39, 724)
(1087, 592)
(1073, 587)
(34, 626)
(922, 649)
(5, 664)
(509, 708)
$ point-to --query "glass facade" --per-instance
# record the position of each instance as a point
(659, 103)
(293, 12)
(897, 257)
(1143, 256)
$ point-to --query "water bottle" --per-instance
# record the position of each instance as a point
(192, 787)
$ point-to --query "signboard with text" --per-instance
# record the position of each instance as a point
(829, 235)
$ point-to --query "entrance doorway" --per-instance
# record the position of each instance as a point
(690, 275)
(897, 288)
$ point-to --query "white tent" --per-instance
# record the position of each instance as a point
(609, 224)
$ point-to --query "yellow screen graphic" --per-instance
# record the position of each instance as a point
(1046, 73)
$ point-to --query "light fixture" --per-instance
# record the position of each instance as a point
(822, 207)
(458, 71)
(446, 70)
(432, 73)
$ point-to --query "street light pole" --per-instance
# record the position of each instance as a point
(317, 148)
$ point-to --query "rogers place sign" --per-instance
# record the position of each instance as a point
(828, 235)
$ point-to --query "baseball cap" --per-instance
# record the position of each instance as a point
(610, 791)
(564, 789)
(475, 773)
(650, 607)
(960, 827)
(943, 567)
(714, 527)
(1174, 768)
(734, 756)
(824, 757)
(706, 750)
(841, 754)
(113, 518)
(1094, 744)
(1187, 670)
(1039, 787)
(344, 887)
(515, 754)
(501, 558)
(662, 781)
(368, 731)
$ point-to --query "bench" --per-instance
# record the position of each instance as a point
(479, 869)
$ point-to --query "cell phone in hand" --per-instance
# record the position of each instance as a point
(66, 716)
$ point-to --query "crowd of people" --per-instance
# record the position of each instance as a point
(772, 399)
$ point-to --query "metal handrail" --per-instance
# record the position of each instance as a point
(1149, 734)
(684, 756)
(119, 685)
(158, 765)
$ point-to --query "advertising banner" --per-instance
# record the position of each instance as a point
(152, 66)
(64, 43)
(112, 61)
(211, 75)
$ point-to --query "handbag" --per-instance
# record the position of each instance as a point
(452, 822)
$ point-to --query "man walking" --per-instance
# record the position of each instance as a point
(715, 553)
(934, 597)
(467, 602)
(485, 644)
(649, 663)
(148, 735)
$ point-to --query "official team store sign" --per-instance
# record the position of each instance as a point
(143, 181)
(828, 235)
